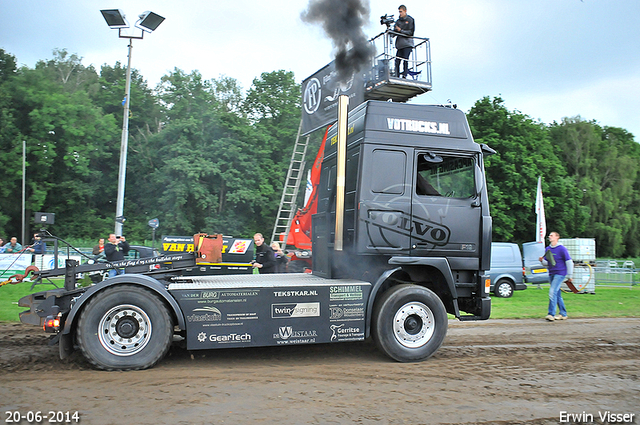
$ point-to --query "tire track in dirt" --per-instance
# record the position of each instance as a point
(494, 372)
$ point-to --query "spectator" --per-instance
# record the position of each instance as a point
(265, 257)
(281, 258)
(13, 247)
(38, 246)
(1, 246)
(99, 249)
(115, 250)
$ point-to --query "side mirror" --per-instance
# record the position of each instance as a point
(432, 158)
(479, 177)
(486, 150)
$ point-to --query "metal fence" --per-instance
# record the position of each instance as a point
(615, 273)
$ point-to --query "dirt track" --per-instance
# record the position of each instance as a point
(494, 372)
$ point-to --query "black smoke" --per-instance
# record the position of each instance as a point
(343, 22)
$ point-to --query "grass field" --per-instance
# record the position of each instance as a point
(530, 303)
(9, 296)
(533, 303)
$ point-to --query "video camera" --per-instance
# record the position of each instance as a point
(387, 20)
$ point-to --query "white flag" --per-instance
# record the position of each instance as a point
(541, 222)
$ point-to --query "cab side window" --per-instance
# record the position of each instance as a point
(383, 160)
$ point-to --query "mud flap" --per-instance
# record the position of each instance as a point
(65, 345)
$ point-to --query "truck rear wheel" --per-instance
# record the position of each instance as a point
(409, 323)
(125, 327)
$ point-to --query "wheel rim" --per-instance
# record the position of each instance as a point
(124, 330)
(413, 325)
(504, 290)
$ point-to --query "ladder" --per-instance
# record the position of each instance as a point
(287, 209)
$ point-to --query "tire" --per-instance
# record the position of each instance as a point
(124, 327)
(503, 289)
(409, 323)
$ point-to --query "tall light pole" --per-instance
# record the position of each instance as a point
(147, 22)
(24, 186)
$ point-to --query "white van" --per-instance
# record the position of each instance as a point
(507, 272)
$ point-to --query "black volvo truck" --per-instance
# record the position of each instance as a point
(413, 244)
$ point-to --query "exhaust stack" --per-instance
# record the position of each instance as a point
(343, 108)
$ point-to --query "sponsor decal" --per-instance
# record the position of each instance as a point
(240, 246)
(347, 292)
(312, 96)
(177, 247)
(340, 88)
(336, 313)
(242, 316)
(205, 314)
(320, 94)
(312, 293)
(287, 335)
(346, 333)
(247, 293)
(295, 310)
(350, 130)
(173, 244)
(221, 296)
(224, 339)
(346, 312)
(144, 261)
(418, 126)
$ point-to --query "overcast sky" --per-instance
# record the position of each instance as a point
(546, 58)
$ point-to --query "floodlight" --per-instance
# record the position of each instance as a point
(45, 218)
(149, 21)
(115, 18)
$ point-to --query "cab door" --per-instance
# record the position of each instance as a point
(445, 206)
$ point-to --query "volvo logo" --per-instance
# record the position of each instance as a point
(312, 96)
(415, 227)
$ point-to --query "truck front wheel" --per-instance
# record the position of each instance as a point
(409, 323)
(124, 327)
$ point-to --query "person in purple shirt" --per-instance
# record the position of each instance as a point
(560, 265)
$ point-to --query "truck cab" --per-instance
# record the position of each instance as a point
(415, 203)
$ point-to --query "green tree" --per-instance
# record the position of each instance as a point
(66, 137)
(524, 152)
(605, 164)
(146, 114)
(8, 66)
(273, 107)
(10, 145)
(68, 70)
(205, 167)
